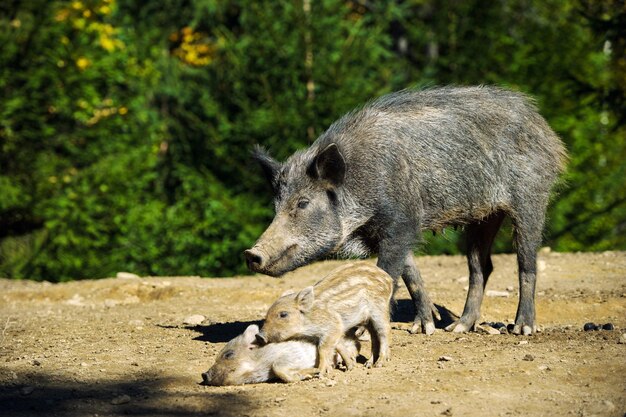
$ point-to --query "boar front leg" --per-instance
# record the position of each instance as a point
(396, 258)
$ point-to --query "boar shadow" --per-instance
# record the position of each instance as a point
(222, 332)
(402, 311)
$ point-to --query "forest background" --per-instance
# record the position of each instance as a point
(126, 126)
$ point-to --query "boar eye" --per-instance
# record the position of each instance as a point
(283, 314)
(228, 354)
(303, 203)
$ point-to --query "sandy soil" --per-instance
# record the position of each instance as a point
(119, 347)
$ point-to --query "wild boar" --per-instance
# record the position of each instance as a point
(413, 161)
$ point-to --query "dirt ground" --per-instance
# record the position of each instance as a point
(119, 347)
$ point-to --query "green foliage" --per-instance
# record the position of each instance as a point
(125, 128)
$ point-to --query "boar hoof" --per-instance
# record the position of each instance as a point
(419, 326)
(459, 327)
(524, 329)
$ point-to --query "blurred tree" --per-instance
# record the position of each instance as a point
(125, 128)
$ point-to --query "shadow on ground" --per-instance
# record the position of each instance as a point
(222, 332)
(404, 312)
(147, 395)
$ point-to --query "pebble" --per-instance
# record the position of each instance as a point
(27, 390)
(528, 357)
(126, 275)
(608, 326)
(122, 399)
(487, 329)
(331, 383)
(622, 339)
(445, 359)
(36, 362)
(510, 327)
(279, 399)
(523, 342)
(544, 368)
(589, 327)
(494, 293)
(194, 320)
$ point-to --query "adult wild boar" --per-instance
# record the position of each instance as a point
(413, 161)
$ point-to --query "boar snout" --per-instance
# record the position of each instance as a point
(255, 259)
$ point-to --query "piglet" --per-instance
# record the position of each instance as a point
(357, 294)
(245, 361)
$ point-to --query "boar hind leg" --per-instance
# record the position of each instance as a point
(527, 238)
(480, 237)
(424, 308)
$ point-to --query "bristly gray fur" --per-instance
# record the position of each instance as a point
(416, 161)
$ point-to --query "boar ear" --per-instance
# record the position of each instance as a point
(305, 299)
(269, 165)
(329, 165)
(249, 335)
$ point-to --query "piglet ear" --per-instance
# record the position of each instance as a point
(288, 292)
(270, 166)
(249, 335)
(329, 165)
(305, 299)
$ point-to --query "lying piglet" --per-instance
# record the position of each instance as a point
(244, 361)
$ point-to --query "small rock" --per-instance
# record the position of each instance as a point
(127, 275)
(27, 390)
(122, 399)
(510, 288)
(279, 399)
(589, 327)
(447, 412)
(110, 303)
(609, 406)
(444, 359)
(510, 327)
(76, 300)
(487, 329)
(494, 293)
(331, 383)
(36, 362)
(622, 339)
(608, 326)
(194, 320)
(435, 402)
(544, 368)
(523, 342)
(528, 357)
(84, 364)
